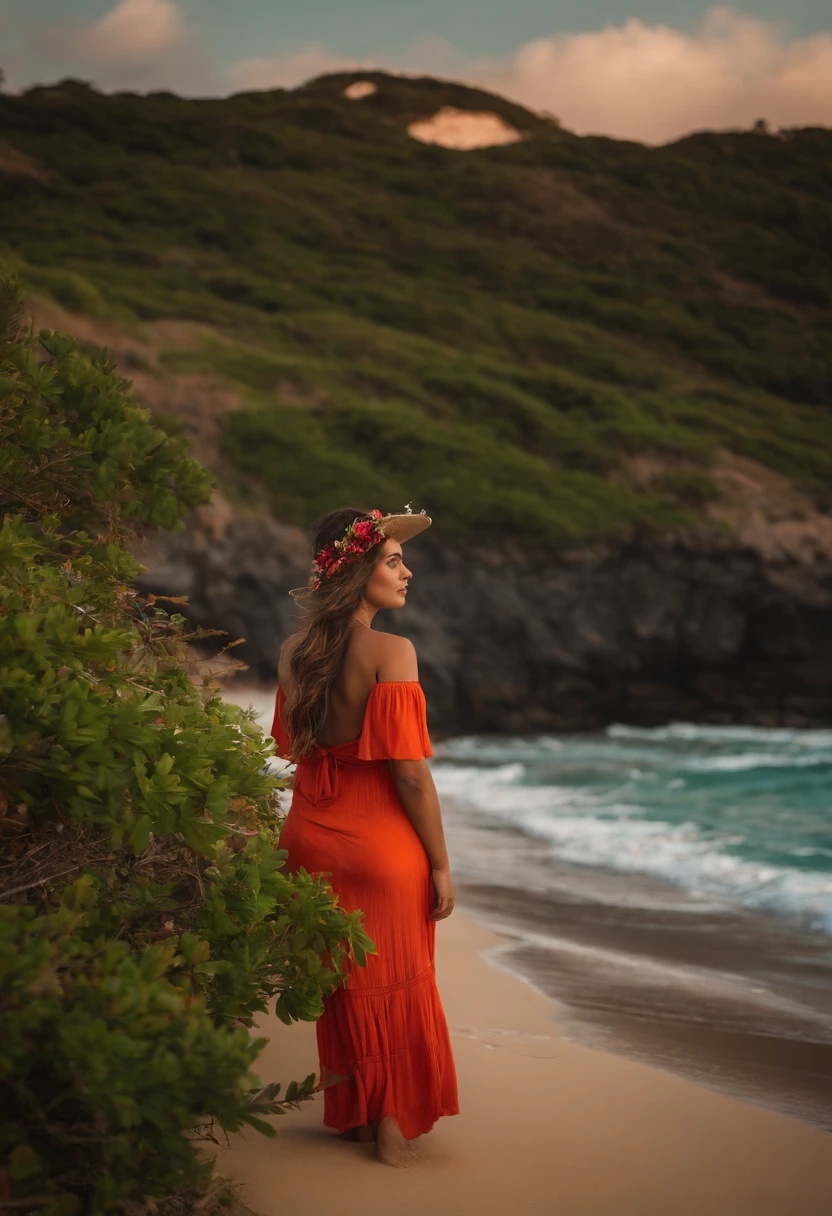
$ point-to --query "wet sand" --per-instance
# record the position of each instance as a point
(622, 1047)
(732, 998)
(728, 1001)
(546, 1124)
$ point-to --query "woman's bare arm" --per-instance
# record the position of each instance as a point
(415, 785)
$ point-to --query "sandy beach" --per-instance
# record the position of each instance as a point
(546, 1124)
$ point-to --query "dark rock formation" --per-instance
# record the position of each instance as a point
(686, 628)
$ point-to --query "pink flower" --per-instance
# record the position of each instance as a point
(359, 538)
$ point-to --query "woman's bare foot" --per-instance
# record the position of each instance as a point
(391, 1146)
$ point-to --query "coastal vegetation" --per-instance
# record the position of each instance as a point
(492, 334)
(145, 919)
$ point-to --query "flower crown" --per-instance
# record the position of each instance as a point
(359, 537)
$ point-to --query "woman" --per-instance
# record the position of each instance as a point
(350, 712)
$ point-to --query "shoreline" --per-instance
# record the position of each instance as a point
(732, 998)
(546, 1124)
(729, 996)
(720, 1028)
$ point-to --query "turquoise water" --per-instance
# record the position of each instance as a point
(740, 813)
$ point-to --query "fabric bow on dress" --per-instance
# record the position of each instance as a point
(383, 1030)
(317, 777)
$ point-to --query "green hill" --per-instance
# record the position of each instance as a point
(491, 335)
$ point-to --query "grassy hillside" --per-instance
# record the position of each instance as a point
(489, 334)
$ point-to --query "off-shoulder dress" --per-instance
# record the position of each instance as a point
(385, 1028)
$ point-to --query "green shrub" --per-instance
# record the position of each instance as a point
(145, 918)
(571, 299)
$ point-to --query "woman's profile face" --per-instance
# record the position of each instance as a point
(386, 586)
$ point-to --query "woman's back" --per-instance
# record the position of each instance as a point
(365, 817)
(371, 657)
(383, 1032)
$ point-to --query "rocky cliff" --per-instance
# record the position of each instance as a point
(724, 624)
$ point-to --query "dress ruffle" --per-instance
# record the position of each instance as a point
(394, 728)
(392, 1044)
(384, 1031)
(395, 725)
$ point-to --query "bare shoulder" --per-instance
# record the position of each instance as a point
(396, 658)
(393, 642)
(388, 643)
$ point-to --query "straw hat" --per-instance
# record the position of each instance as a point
(404, 526)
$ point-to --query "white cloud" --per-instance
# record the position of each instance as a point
(137, 44)
(135, 30)
(631, 81)
(653, 82)
(634, 80)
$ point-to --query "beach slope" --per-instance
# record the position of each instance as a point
(546, 1126)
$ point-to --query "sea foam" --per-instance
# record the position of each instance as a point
(737, 813)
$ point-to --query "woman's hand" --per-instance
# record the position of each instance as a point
(444, 891)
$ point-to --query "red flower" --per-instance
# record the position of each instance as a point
(359, 538)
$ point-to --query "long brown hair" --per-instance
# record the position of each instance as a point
(325, 626)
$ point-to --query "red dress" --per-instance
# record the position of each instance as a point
(385, 1028)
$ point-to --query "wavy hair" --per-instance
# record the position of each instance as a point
(325, 627)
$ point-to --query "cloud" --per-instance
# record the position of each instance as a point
(135, 30)
(142, 44)
(632, 81)
(653, 83)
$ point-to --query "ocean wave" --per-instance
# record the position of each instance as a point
(595, 826)
(744, 761)
(463, 778)
(635, 756)
(490, 750)
(692, 732)
(679, 853)
(498, 790)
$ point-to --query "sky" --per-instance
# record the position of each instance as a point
(638, 69)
